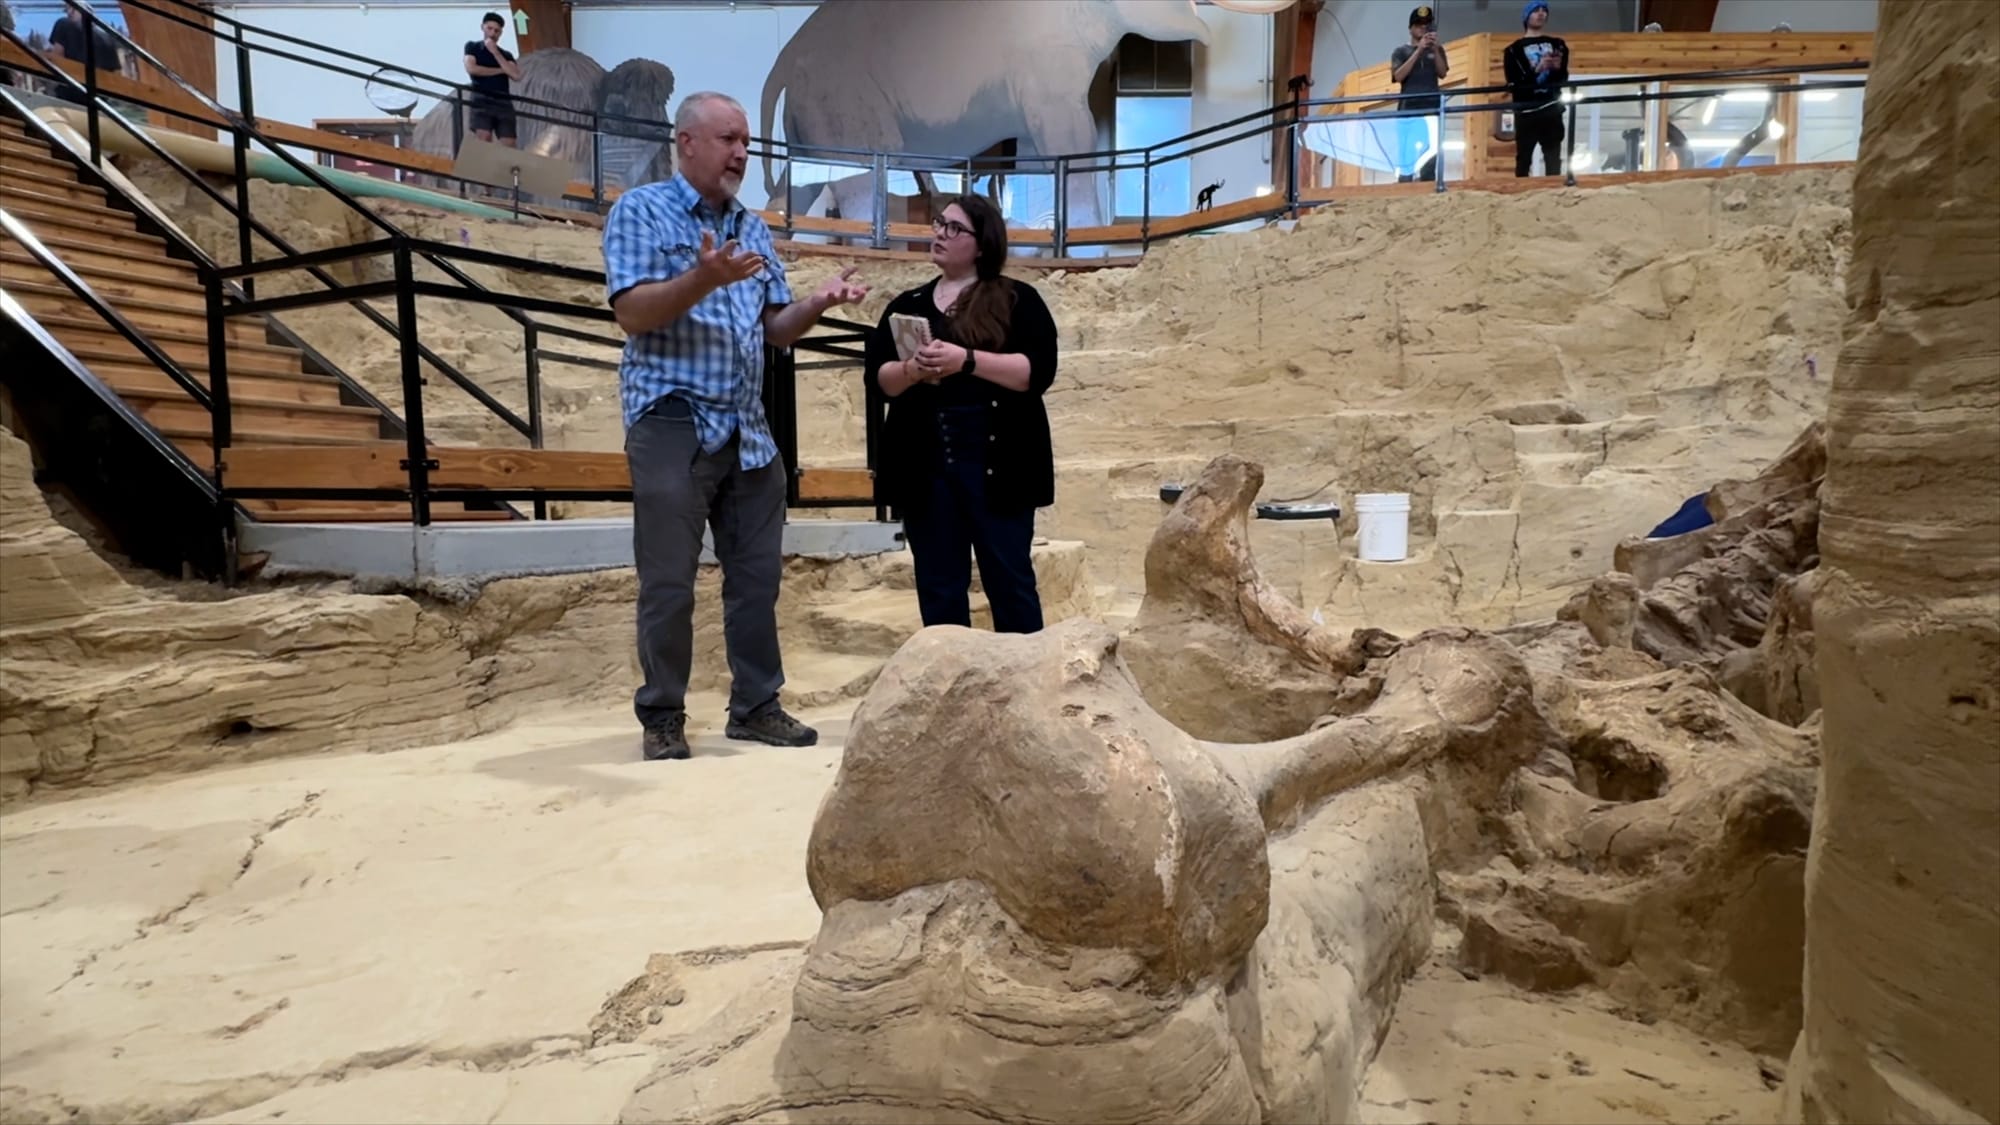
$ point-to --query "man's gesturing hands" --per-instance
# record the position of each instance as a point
(841, 289)
(728, 265)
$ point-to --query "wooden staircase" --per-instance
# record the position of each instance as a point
(273, 400)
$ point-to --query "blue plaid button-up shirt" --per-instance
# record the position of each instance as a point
(714, 355)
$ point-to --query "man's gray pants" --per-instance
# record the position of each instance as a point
(676, 489)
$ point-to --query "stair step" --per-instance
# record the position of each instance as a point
(92, 332)
(108, 284)
(93, 229)
(95, 348)
(174, 410)
(60, 183)
(142, 378)
(53, 298)
(21, 199)
(32, 155)
(78, 254)
(15, 258)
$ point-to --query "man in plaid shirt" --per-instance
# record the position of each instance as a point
(697, 286)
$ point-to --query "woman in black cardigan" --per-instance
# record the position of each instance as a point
(965, 455)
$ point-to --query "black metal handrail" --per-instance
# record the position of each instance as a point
(19, 232)
(106, 397)
(244, 130)
(247, 222)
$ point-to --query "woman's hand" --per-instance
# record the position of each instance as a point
(938, 359)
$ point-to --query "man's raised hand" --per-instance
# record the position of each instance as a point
(842, 289)
(728, 265)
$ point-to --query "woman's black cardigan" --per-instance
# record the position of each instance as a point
(1021, 460)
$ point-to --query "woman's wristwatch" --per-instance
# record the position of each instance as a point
(970, 362)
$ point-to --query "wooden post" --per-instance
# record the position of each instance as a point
(548, 24)
(186, 51)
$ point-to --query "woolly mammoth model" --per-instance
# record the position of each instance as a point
(953, 80)
(637, 88)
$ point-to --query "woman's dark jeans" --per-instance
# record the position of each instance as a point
(951, 523)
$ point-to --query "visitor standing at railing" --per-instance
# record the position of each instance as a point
(493, 73)
(697, 285)
(74, 37)
(1417, 67)
(965, 454)
(1537, 69)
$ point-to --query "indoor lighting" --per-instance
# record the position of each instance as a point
(1265, 189)
(1582, 159)
(1454, 146)
(1777, 130)
(1708, 112)
(1255, 7)
(1820, 95)
(1716, 144)
(1755, 97)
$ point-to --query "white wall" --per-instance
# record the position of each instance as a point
(425, 38)
(1232, 77)
(1803, 15)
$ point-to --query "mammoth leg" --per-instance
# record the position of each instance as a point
(855, 197)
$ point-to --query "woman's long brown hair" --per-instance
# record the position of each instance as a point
(982, 313)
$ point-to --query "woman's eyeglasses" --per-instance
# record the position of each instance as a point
(945, 228)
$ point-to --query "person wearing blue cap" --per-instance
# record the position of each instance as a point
(1537, 68)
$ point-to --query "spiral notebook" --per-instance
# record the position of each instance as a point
(911, 332)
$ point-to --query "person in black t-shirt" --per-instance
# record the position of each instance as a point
(491, 67)
(1417, 66)
(1537, 68)
(965, 455)
(71, 38)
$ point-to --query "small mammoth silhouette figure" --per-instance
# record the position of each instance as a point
(1205, 198)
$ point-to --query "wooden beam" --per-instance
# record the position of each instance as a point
(822, 485)
(380, 465)
(187, 51)
(1678, 15)
(548, 24)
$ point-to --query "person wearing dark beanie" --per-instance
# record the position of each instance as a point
(1537, 69)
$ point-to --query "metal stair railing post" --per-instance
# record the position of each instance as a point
(1438, 169)
(244, 254)
(90, 84)
(1569, 151)
(1059, 237)
(531, 346)
(219, 418)
(1292, 160)
(1145, 204)
(417, 461)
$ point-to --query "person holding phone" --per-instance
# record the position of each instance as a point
(1417, 67)
(965, 455)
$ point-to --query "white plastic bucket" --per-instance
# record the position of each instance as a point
(1385, 525)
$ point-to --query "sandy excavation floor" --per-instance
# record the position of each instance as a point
(431, 935)
(1463, 1050)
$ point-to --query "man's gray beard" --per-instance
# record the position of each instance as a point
(732, 183)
